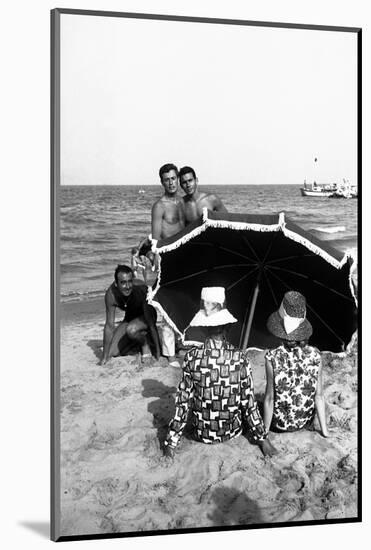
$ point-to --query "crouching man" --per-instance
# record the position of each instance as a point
(217, 384)
(138, 327)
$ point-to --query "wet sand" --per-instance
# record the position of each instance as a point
(113, 475)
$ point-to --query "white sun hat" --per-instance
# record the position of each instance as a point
(215, 295)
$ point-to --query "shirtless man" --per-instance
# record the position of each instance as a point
(194, 200)
(138, 324)
(167, 220)
(167, 212)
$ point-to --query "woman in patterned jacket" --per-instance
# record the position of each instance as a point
(217, 387)
(293, 370)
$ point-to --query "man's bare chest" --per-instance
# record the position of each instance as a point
(171, 211)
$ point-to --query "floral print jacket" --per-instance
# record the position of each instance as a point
(295, 376)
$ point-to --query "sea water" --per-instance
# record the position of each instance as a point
(99, 225)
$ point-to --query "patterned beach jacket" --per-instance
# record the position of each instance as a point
(217, 387)
(295, 375)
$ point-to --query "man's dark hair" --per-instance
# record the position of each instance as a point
(122, 269)
(166, 168)
(187, 170)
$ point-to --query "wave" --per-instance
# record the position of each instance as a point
(82, 219)
(79, 296)
(336, 229)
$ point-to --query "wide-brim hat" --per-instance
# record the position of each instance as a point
(222, 317)
(290, 322)
(215, 294)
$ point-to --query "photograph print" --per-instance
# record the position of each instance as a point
(205, 180)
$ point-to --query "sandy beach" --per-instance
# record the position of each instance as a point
(115, 479)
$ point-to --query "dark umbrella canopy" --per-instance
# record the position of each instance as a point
(257, 258)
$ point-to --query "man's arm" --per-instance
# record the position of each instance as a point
(150, 319)
(182, 401)
(151, 267)
(109, 326)
(218, 205)
(269, 394)
(156, 220)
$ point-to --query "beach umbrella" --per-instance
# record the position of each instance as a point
(257, 258)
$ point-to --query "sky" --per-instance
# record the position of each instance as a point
(241, 105)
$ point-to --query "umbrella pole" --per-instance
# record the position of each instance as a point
(251, 315)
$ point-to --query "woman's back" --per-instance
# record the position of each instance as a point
(295, 376)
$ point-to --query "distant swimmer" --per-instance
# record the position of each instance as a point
(167, 212)
(194, 200)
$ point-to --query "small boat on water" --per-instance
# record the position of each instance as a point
(342, 190)
(141, 191)
(318, 189)
(345, 190)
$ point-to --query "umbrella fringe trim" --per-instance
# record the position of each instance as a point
(159, 308)
(353, 267)
(197, 231)
(314, 248)
(150, 292)
(206, 222)
(241, 226)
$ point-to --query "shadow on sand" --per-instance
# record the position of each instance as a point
(162, 409)
(96, 345)
(234, 508)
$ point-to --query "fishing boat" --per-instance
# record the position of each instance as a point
(141, 191)
(318, 189)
